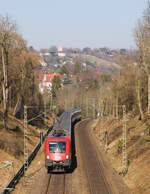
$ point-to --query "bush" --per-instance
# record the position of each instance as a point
(1, 126)
(119, 146)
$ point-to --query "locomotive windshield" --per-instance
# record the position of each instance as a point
(57, 147)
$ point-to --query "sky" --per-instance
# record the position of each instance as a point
(75, 23)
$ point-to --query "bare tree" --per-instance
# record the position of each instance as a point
(139, 35)
(9, 42)
(142, 37)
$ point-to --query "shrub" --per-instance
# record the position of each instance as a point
(119, 146)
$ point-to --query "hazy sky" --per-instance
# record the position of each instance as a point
(76, 23)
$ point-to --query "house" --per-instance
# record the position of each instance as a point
(61, 53)
(54, 53)
(44, 54)
(45, 81)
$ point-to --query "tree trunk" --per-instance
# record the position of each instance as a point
(17, 107)
(113, 110)
(5, 89)
(139, 101)
(148, 93)
(117, 106)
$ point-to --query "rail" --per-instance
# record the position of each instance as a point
(11, 185)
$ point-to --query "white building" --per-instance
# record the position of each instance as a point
(61, 53)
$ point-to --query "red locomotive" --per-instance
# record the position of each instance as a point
(58, 152)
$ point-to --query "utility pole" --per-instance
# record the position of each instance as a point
(25, 144)
(51, 101)
(45, 113)
(102, 117)
(117, 116)
(124, 138)
(99, 106)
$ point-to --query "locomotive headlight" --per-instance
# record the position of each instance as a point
(67, 156)
(47, 157)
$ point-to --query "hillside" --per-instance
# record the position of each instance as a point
(138, 152)
(12, 146)
(99, 64)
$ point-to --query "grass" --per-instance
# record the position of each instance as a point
(94, 59)
(1, 126)
(11, 144)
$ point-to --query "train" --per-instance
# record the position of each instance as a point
(58, 144)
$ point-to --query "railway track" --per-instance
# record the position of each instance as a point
(87, 175)
(56, 184)
(60, 183)
(48, 183)
(96, 180)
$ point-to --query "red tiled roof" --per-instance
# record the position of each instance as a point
(49, 77)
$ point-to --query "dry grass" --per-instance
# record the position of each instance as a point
(138, 152)
(12, 145)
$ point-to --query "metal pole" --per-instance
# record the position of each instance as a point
(51, 101)
(45, 113)
(99, 108)
(67, 104)
(117, 116)
(25, 144)
(102, 117)
(124, 137)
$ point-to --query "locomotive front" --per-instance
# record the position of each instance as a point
(57, 153)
